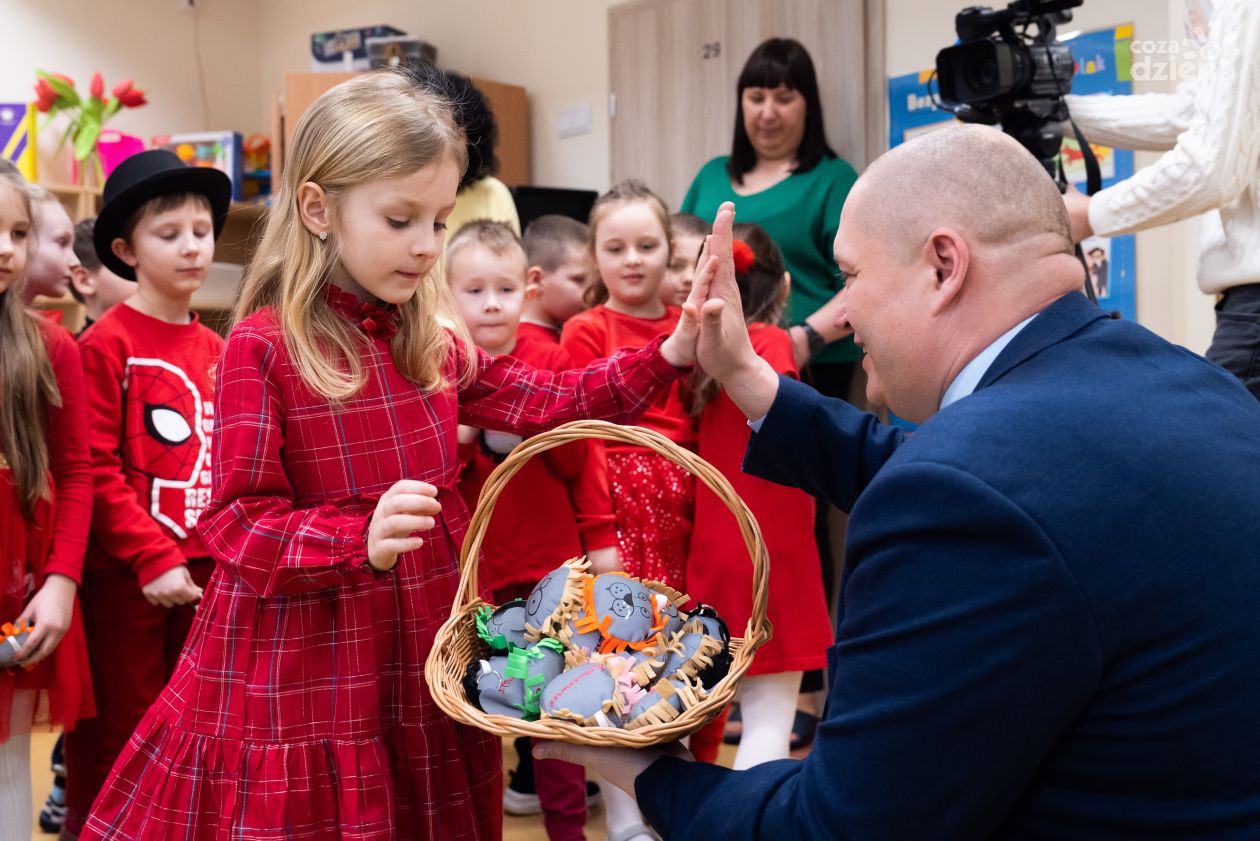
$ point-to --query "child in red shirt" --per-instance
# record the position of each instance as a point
(45, 508)
(652, 497)
(148, 364)
(539, 518)
(299, 707)
(718, 571)
(557, 276)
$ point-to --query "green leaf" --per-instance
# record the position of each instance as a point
(85, 141)
(92, 109)
(61, 88)
(111, 108)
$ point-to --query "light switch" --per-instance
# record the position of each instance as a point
(574, 120)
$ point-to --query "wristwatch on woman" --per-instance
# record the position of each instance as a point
(813, 338)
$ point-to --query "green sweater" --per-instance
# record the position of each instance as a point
(801, 214)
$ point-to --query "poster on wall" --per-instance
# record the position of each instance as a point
(1103, 63)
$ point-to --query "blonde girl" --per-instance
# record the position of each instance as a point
(44, 470)
(299, 707)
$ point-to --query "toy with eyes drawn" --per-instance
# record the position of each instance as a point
(555, 599)
(622, 609)
(502, 629)
(512, 684)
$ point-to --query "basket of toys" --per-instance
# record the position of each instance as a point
(593, 659)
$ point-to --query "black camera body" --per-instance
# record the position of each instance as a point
(1001, 73)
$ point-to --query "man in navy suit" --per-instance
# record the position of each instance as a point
(1051, 611)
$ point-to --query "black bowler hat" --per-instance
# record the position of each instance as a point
(145, 176)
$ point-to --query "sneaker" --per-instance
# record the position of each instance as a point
(517, 801)
(53, 815)
(519, 797)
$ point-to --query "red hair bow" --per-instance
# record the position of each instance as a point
(743, 255)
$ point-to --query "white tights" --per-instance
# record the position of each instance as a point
(621, 815)
(15, 769)
(767, 705)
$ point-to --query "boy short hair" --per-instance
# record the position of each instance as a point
(84, 248)
(689, 225)
(488, 233)
(549, 239)
(163, 204)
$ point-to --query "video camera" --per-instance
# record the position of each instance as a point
(1003, 73)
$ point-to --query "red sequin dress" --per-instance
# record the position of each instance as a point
(299, 708)
(653, 498)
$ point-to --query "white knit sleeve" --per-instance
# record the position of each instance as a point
(1149, 121)
(1216, 157)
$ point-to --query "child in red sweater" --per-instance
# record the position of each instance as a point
(45, 508)
(148, 364)
(557, 276)
(718, 571)
(652, 497)
(299, 707)
(556, 508)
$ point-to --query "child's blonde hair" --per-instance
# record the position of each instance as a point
(380, 125)
(28, 383)
(496, 236)
(628, 191)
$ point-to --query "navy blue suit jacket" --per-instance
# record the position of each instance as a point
(1051, 612)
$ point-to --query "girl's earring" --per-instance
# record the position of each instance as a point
(323, 236)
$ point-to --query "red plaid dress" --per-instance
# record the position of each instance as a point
(299, 708)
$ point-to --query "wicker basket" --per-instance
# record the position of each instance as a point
(457, 645)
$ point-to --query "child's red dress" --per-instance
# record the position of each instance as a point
(719, 571)
(300, 708)
(52, 541)
(653, 498)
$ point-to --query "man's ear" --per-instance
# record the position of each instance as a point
(123, 251)
(312, 203)
(949, 259)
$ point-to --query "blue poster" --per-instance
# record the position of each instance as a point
(1102, 66)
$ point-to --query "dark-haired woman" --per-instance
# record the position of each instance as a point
(783, 176)
(481, 195)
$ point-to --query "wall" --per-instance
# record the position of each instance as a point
(154, 42)
(1168, 299)
(556, 49)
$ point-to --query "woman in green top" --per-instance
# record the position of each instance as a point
(782, 175)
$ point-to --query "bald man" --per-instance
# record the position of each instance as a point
(1049, 614)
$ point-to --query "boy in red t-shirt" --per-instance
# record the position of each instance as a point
(148, 367)
(557, 274)
(556, 508)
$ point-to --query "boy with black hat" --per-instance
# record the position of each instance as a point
(147, 363)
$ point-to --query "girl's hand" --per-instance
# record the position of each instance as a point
(604, 560)
(50, 612)
(172, 588)
(407, 507)
(679, 349)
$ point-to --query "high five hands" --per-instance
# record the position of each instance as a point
(712, 331)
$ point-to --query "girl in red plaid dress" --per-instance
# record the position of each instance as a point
(299, 708)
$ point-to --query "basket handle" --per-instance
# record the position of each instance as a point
(637, 436)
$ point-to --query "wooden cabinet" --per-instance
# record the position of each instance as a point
(674, 64)
(509, 103)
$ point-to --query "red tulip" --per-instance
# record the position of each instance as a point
(132, 98)
(45, 96)
(121, 88)
(98, 85)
